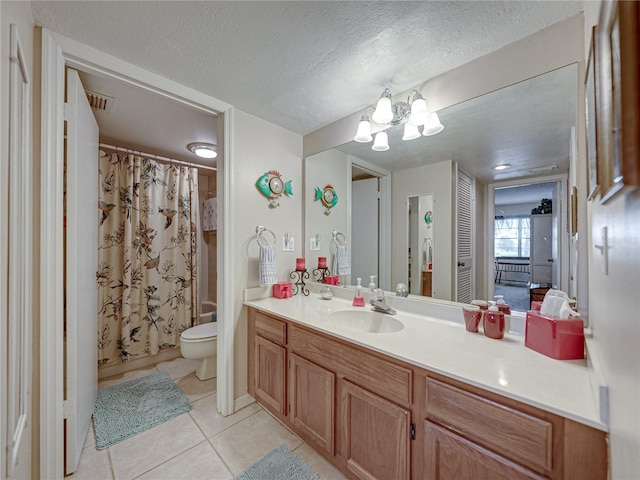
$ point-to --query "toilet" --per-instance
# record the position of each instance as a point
(200, 343)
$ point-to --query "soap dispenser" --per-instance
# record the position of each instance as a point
(358, 300)
(372, 283)
(493, 322)
(502, 305)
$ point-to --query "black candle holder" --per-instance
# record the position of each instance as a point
(299, 286)
(320, 273)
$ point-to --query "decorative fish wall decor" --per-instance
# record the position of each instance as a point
(328, 196)
(271, 186)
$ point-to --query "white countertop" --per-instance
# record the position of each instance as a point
(504, 366)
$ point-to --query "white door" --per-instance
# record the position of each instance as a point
(15, 295)
(541, 248)
(364, 230)
(81, 236)
(464, 277)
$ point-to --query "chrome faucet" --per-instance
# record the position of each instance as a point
(379, 304)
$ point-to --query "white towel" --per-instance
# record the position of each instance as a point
(267, 265)
(341, 263)
(210, 215)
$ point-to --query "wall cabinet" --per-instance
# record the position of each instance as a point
(359, 409)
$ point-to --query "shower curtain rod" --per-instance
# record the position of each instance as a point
(158, 157)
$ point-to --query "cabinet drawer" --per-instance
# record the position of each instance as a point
(509, 432)
(387, 379)
(270, 328)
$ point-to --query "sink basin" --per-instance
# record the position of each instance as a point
(365, 321)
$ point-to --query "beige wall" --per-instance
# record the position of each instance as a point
(330, 167)
(437, 179)
(614, 310)
(19, 13)
(259, 146)
(208, 242)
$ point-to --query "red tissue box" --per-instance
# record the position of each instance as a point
(559, 339)
(282, 290)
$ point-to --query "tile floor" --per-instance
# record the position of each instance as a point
(197, 444)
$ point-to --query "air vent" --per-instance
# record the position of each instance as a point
(99, 101)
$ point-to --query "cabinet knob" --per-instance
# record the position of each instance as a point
(461, 264)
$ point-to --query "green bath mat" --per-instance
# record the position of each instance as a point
(132, 407)
(279, 464)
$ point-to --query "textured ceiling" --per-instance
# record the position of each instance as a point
(300, 65)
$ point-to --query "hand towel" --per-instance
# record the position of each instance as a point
(341, 263)
(210, 215)
(267, 265)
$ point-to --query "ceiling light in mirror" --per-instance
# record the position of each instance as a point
(203, 150)
(433, 125)
(410, 131)
(504, 166)
(381, 143)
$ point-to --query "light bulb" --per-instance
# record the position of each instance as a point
(203, 150)
(363, 134)
(410, 131)
(433, 125)
(419, 110)
(383, 113)
(381, 143)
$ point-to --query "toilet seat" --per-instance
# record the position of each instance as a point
(200, 333)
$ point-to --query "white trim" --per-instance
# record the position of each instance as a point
(563, 235)
(225, 294)
(51, 268)
(56, 52)
(20, 262)
(243, 401)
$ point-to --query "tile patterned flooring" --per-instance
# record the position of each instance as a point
(197, 444)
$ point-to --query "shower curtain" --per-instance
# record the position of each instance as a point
(147, 273)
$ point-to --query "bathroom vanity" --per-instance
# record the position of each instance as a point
(429, 401)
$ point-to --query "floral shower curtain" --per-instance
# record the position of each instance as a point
(147, 274)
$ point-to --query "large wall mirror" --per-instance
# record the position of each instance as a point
(527, 126)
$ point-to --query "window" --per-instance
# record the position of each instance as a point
(511, 236)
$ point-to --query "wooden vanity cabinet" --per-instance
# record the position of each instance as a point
(375, 417)
(312, 401)
(268, 361)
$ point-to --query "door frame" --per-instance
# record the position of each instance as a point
(58, 52)
(563, 234)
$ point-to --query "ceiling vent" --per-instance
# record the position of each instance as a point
(99, 101)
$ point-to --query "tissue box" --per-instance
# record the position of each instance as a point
(282, 290)
(332, 280)
(559, 339)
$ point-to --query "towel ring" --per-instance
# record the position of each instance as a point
(336, 238)
(260, 229)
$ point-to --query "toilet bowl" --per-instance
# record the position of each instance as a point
(200, 343)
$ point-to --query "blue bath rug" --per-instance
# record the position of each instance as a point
(279, 464)
(132, 407)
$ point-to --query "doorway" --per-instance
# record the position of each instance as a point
(58, 53)
(527, 230)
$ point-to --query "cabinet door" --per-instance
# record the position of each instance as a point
(375, 435)
(448, 456)
(270, 374)
(312, 392)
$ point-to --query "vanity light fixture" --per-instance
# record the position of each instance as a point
(504, 166)
(203, 150)
(412, 115)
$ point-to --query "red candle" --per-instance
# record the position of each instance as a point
(300, 264)
(322, 262)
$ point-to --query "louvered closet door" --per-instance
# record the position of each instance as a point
(465, 200)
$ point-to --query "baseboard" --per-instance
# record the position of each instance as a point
(149, 360)
(242, 401)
